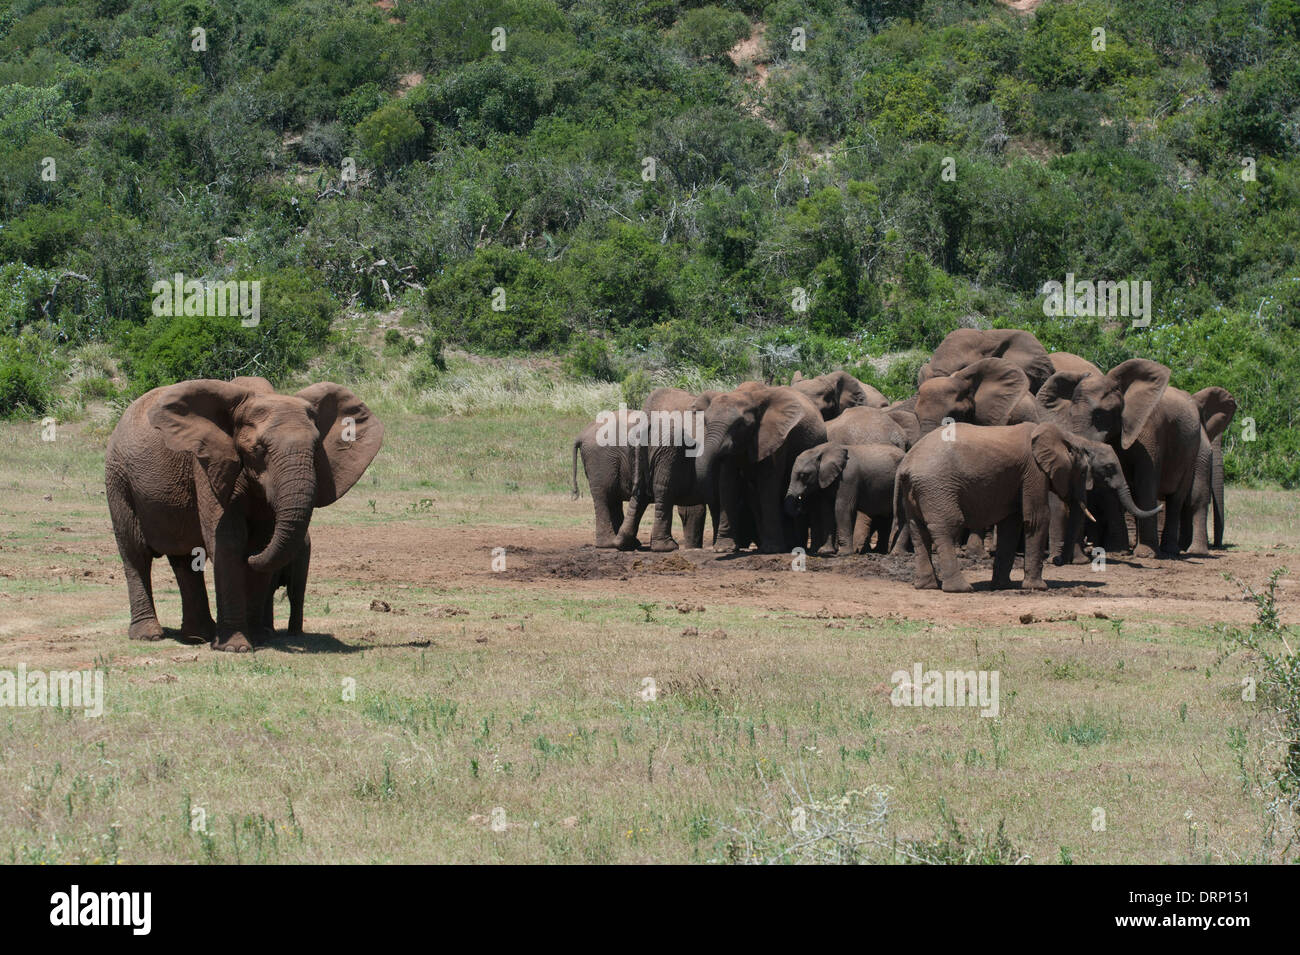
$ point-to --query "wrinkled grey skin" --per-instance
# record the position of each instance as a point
(665, 474)
(232, 470)
(842, 482)
(1217, 408)
(867, 426)
(836, 392)
(1001, 477)
(753, 434)
(965, 346)
(611, 475)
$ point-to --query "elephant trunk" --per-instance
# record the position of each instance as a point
(1073, 531)
(294, 495)
(1216, 488)
(1130, 505)
(713, 434)
(793, 505)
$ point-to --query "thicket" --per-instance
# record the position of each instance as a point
(612, 187)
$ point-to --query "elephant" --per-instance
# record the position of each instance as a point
(293, 578)
(965, 346)
(999, 476)
(664, 471)
(608, 460)
(1114, 407)
(227, 472)
(991, 391)
(1067, 361)
(866, 426)
(1217, 408)
(753, 434)
(836, 392)
(842, 481)
(904, 415)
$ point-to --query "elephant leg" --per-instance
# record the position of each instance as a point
(625, 538)
(609, 516)
(863, 528)
(692, 518)
(846, 515)
(235, 586)
(1035, 526)
(196, 613)
(137, 568)
(729, 505)
(1171, 536)
(906, 539)
(882, 525)
(1145, 488)
(945, 543)
(923, 577)
(661, 537)
(975, 545)
(1115, 539)
(1004, 556)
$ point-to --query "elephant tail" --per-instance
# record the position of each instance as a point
(577, 446)
(1216, 488)
(899, 517)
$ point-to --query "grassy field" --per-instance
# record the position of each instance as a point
(480, 703)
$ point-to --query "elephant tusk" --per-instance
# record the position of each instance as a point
(1088, 514)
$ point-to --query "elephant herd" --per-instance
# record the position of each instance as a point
(1046, 450)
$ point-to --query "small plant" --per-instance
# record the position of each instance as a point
(1276, 768)
(646, 609)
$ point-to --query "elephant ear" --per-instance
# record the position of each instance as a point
(850, 392)
(997, 386)
(350, 436)
(1217, 408)
(197, 417)
(1143, 383)
(703, 400)
(1054, 455)
(1058, 392)
(832, 466)
(924, 374)
(785, 409)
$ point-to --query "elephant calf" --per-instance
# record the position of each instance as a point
(1004, 476)
(839, 481)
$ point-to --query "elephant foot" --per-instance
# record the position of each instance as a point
(770, 548)
(1002, 584)
(233, 643)
(626, 543)
(1038, 584)
(149, 630)
(1198, 551)
(926, 583)
(205, 630)
(663, 546)
(725, 545)
(1144, 551)
(956, 585)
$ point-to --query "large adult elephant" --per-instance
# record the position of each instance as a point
(965, 346)
(608, 460)
(1003, 477)
(664, 467)
(991, 391)
(835, 392)
(1216, 408)
(753, 434)
(227, 472)
(1116, 408)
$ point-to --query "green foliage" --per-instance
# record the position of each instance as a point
(708, 32)
(390, 136)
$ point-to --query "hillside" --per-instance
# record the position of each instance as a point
(650, 192)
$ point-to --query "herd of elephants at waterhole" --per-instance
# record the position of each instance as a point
(1039, 453)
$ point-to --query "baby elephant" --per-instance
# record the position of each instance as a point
(834, 482)
(293, 578)
(978, 477)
